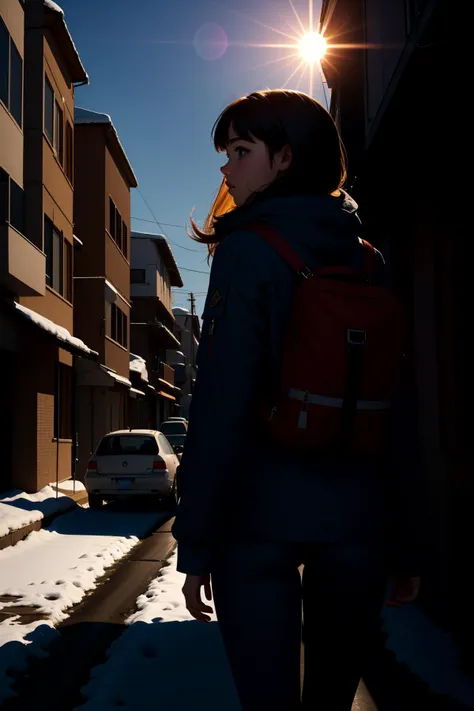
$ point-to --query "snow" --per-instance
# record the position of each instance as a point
(180, 311)
(428, 651)
(53, 6)
(78, 241)
(138, 365)
(59, 331)
(86, 116)
(69, 485)
(164, 659)
(18, 509)
(53, 569)
(119, 378)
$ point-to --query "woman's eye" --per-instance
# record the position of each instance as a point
(241, 152)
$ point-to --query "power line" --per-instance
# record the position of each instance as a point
(184, 269)
(188, 249)
(167, 224)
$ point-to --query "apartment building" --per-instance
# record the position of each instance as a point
(103, 181)
(40, 70)
(154, 272)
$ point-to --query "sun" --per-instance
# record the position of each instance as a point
(312, 47)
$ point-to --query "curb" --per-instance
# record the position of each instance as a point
(14, 537)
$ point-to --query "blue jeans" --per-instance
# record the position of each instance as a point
(260, 599)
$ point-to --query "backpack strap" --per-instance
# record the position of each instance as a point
(294, 261)
(281, 247)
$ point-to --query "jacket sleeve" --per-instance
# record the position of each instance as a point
(231, 362)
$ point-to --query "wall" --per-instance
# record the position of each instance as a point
(11, 135)
(117, 267)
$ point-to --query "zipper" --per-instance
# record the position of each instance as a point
(211, 337)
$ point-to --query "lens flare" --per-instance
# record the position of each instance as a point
(312, 47)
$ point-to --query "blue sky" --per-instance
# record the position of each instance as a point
(150, 68)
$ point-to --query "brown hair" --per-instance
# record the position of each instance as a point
(279, 118)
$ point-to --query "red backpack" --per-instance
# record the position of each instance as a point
(342, 356)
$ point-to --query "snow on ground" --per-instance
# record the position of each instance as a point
(165, 660)
(18, 509)
(53, 569)
(429, 652)
(70, 485)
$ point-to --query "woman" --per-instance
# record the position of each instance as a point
(251, 512)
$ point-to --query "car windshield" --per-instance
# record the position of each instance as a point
(173, 428)
(127, 444)
(176, 439)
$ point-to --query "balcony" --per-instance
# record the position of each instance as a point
(166, 373)
(22, 264)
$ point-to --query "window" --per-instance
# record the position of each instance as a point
(12, 208)
(55, 257)
(117, 228)
(165, 445)
(118, 329)
(4, 63)
(69, 166)
(58, 132)
(124, 239)
(127, 444)
(48, 109)
(11, 75)
(137, 276)
(17, 207)
(4, 199)
(112, 218)
(68, 270)
(16, 84)
(63, 402)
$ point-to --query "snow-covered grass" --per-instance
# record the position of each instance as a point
(164, 659)
(429, 652)
(18, 509)
(53, 569)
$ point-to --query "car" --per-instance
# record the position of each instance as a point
(130, 463)
(175, 431)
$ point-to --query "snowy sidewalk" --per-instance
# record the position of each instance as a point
(18, 509)
(164, 659)
(44, 575)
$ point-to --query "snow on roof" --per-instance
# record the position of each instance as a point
(61, 333)
(165, 250)
(86, 116)
(78, 241)
(138, 365)
(180, 311)
(82, 75)
(53, 6)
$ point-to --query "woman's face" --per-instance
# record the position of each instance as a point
(248, 169)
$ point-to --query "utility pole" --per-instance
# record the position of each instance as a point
(192, 299)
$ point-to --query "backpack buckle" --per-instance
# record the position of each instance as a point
(306, 273)
(356, 336)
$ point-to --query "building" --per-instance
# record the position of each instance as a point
(188, 333)
(40, 70)
(103, 180)
(154, 271)
(395, 93)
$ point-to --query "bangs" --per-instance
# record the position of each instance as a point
(250, 118)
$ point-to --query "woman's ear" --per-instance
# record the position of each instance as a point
(283, 158)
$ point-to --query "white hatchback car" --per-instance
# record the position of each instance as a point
(132, 463)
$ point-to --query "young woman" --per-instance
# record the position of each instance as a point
(251, 511)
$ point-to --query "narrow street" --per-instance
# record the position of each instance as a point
(110, 649)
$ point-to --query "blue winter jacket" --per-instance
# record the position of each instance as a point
(235, 484)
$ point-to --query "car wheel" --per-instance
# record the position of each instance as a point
(95, 501)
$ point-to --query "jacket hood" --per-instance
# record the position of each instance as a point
(318, 223)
